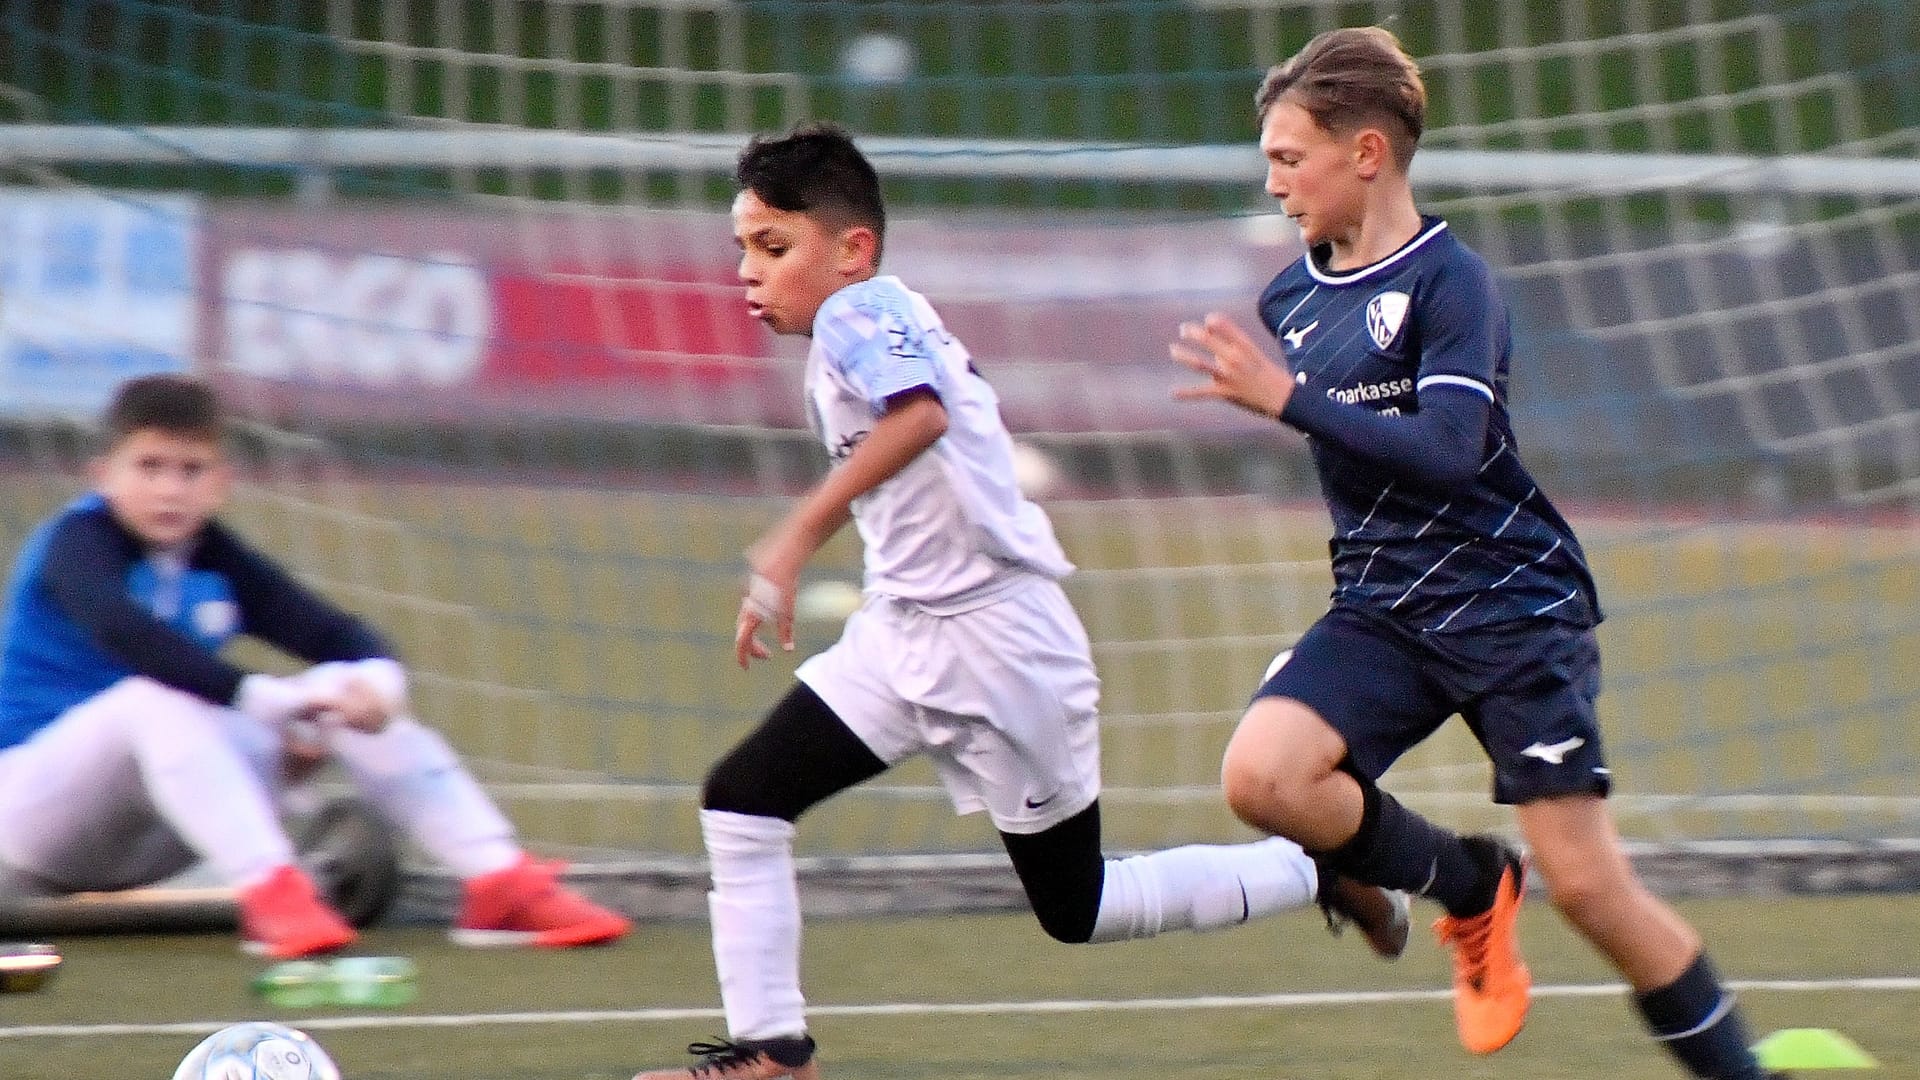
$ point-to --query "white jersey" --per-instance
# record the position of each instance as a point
(951, 530)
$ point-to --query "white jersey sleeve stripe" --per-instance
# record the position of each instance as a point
(1455, 380)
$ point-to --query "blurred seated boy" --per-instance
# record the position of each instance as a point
(130, 750)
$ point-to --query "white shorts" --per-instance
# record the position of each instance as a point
(1003, 698)
(74, 807)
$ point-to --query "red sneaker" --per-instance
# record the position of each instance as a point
(284, 918)
(525, 904)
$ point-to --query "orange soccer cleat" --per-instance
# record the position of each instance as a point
(1490, 982)
(284, 918)
(525, 904)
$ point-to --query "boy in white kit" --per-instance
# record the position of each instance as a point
(130, 750)
(965, 648)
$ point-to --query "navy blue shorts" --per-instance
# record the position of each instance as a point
(1526, 689)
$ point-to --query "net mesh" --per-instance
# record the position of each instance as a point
(498, 393)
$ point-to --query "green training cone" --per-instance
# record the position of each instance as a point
(1812, 1048)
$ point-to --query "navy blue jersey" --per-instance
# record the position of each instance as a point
(1402, 373)
(90, 605)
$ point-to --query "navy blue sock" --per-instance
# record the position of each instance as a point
(1396, 848)
(1696, 1020)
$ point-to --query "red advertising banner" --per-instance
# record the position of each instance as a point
(569, 312)
(436, 313)
(579, 326)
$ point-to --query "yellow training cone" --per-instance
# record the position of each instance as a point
(1811, 1048)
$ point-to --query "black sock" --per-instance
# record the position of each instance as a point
(1396, 848)
(1696, 1020)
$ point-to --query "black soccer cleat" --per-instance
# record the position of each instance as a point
(1381, 915)
(748, 1059)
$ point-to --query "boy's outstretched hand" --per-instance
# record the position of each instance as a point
(1237, 368)
(766, 601)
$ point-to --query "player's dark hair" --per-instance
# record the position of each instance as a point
(1353, 78)
(816, 170)
(176, 404)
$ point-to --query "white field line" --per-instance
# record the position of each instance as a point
(970, 1008)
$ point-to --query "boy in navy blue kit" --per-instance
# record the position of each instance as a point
(130, 750)
(1458, 588)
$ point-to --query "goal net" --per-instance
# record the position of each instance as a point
(465, 271)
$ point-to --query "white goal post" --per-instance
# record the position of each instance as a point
(323, 150)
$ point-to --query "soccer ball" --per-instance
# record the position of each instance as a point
(1034, 471)
(257, 1051)
(877, 60)
(827, 601)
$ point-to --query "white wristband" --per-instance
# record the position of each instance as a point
(387, 678)
(271, 699)
(763, 597)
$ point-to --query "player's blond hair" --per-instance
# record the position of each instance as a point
(1354, 78)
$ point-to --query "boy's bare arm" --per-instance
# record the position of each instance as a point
(914, 421)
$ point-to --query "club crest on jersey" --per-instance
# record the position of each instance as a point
(1385, 315)
(216, 618)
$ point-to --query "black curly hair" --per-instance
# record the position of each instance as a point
(815, 169)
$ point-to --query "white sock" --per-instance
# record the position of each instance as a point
(755, 906)
(413, 777)
(1202, 887)
(209, 795)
